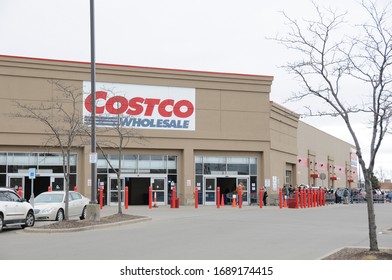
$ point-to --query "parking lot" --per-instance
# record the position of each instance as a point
(209, 233)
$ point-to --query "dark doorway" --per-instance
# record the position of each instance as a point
(227, 185)
(138, 190)
(41, 185)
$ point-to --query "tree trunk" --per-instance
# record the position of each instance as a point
(371, 213)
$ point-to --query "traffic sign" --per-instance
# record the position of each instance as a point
(31, 173)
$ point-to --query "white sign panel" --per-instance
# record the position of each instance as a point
(141, 106)
(31, 173)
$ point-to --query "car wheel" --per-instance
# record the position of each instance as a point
(30, 220)
(84, 213)
(1, 223)
(60, 215)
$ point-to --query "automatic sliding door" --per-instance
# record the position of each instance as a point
(210, 191)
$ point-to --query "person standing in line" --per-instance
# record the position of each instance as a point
(265, 195)
(345, 196)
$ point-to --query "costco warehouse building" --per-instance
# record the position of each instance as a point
(198, 129)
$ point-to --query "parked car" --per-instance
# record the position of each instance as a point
(14, 210)
(50, 206)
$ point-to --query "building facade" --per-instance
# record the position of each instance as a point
(183, 130)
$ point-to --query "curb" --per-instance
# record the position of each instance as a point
(76, 229)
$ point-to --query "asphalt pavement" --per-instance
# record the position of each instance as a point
(227, 233)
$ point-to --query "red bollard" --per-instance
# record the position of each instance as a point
(126, 197)
(100, 197)
(321, 197)
(280, 198)
(150, 197)
(75, 189)
(196, 197)
(20, 192)
(240, 198)
(309, 198)
(261, 197)
(318, 198)
(218, 197)
(173, 198)
(49, 188)
(296, 198)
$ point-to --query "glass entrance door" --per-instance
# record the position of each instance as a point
(158, 190)
(17, 181)
(113, 193)
(57, 183)
(244, 183)
(210, 191)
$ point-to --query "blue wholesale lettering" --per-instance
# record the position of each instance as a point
(154, 123)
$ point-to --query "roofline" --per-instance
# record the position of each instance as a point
(134, 67)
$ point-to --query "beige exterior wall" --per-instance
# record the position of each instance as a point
(319, 152)
(283, 153)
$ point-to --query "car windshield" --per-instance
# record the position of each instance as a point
(49, 198)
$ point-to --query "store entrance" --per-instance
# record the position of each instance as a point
(228, 186)
(138, 189)
(40, 185)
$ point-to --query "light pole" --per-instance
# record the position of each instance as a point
(93, 155)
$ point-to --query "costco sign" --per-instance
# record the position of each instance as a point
(140, 106)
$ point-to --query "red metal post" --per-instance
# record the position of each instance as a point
(126, 197)
(75, 188)
(319, 198)
(218, 197)
(296, 198)
(261, 194)
(196, 197)
(173, 198)
(49, 188)
(240, 197)
(309, 198)
(149, 197)
(280, 198)
(100, 197)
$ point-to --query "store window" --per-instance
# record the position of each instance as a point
(138, 164)
(225, 165)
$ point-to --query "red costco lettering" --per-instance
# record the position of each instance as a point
(135, 106)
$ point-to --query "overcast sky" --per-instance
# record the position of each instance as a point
(208, 35)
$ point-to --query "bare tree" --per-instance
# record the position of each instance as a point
(330, 57)
(62, 120)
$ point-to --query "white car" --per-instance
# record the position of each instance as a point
(14, 210)
(50, 206)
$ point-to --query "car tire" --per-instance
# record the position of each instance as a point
(84, 213)
(30, 220)
(60, 215)
(1, 222)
